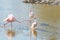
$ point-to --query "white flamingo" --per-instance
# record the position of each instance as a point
(31, 14)
(11, 19)
(34, 24)
(33, 30)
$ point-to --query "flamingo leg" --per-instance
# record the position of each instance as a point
(11, 25)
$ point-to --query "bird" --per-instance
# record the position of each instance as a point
(33, 30)
(32, 17)
(34, 24)
(10, 18)
(31, 14)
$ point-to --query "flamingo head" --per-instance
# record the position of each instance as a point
(31, 15)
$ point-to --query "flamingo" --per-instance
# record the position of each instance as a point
(31, 14)
(34, 24)
(10, 19)
(33, 30)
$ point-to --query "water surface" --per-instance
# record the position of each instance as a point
(48, 18)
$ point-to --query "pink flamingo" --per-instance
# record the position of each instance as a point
(10, 18)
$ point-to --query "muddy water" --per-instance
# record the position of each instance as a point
(48, 18)
(50, 15)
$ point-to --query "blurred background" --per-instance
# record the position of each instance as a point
(48, 18)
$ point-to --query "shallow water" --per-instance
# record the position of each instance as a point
(48, 18)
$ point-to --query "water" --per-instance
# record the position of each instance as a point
(47, 17)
